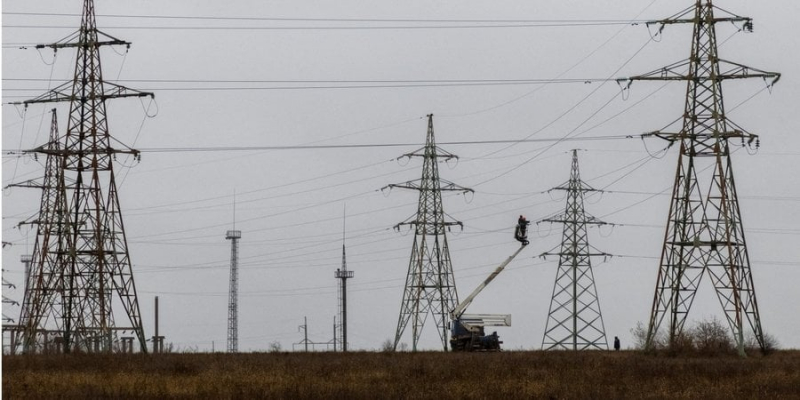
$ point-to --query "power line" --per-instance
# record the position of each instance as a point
(495, 204)
(511, 25)
(393, 20)
(331, 81)
(342, 84)
(355, 146)
(581, 61)
(571, 135)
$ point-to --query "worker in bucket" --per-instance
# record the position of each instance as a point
(521, 232)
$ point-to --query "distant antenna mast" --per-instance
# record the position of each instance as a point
(343, 274)
(233, 322)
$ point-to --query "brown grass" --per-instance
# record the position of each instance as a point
(361, 375)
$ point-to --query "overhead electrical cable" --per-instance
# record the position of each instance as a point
(331, 82)
(295, 19)
(323, 85)
(275, 196)
(581, 61)
(569, 135)
(423, 25)
(356, 146)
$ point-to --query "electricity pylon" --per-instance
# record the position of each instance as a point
(704, 230)
(575, 321)
(430, 285)
(233, 293)
(90, 250)
(40, 316)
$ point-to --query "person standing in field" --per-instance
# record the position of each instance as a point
(616, 343)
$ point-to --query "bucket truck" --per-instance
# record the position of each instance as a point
(467, 330)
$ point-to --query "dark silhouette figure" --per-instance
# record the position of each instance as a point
(616, 343)
(521, 232)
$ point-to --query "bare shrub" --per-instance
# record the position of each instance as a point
(711, 337)
(189, 349)
(275, 347)
(387, 346)
(771, 344)
(639, 334)
(681, 344)
(707, 337)
(751, 344)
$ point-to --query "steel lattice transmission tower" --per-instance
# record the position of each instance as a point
(430, 285)
(704, 231)
(40, 315)
(90, 250)
(233, 293)
(575, 321)
(343, 274)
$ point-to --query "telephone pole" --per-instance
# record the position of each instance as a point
(575, 321)
(704, 231)
(430, 284)
(89, 252)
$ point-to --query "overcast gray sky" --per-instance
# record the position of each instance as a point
(288, 73)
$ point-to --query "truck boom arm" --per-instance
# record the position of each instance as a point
(461, 307)
(476, 320)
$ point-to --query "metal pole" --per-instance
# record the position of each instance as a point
(344, 315)
(575, 302)
(155, 338)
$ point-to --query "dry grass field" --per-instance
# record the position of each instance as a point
(370, 375)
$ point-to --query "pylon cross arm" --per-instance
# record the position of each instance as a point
(446, 185)
(56, 46)
(63, 44)
(671, 21)
(689, 16)
(438, 153)
(64, 93)
(733, 70)
(677, 72)
(114, 91)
